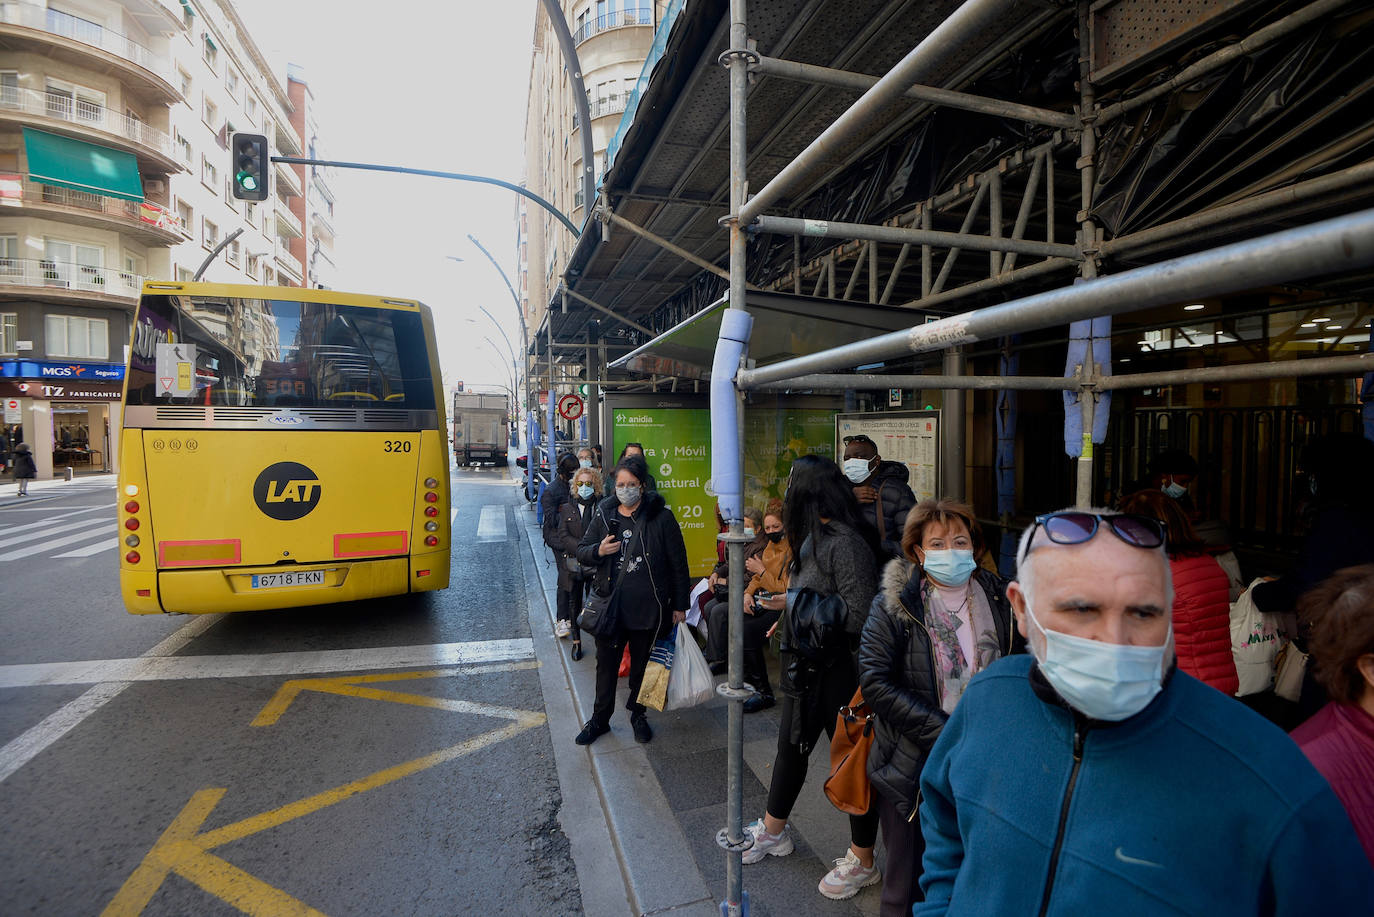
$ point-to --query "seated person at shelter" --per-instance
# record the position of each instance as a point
(882, 491)
(1093, 777)
(764, 600)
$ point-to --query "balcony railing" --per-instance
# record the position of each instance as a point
(87, 114)
(33, 16)
(579, 197)
(15, 189)
(285, 216)
(289, 265)
(595, 25)
(612, 104)
(40, 272)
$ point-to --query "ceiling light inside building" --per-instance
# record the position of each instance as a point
(1321, 321)
(1195, 307)
(1333, 327)
(1308, 325)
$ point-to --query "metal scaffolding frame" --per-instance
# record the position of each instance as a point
(1328, 247)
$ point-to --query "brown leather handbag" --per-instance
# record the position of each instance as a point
(847, 787)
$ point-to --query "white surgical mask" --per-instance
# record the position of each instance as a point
(585, 463)
(1105, 681)
(628, 495)
(1174, 489)
(749, 532)
(585, 491)
(856, 469)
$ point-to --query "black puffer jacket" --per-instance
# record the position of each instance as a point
(895, 496)
(664, 551)
(899, 681)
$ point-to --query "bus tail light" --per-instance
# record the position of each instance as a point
(431, 526)
(431, 482)
(431, 511)
(431, 540)
(421, 573)
(144, 593)
(132, 541)
(131, 506)
(431, 497)
(131, 524)
(132, 557)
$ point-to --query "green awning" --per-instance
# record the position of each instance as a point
(82, 166)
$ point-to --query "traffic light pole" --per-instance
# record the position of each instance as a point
(434, 173)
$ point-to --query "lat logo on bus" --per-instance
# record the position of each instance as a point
(286, 491)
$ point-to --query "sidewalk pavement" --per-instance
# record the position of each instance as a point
(55, 487)
(664, 802)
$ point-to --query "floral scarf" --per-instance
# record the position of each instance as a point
(950, 665)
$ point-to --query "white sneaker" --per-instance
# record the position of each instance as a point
(765, 844)
(562, 628)
(848, 876)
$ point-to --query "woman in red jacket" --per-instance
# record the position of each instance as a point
(1202, 608)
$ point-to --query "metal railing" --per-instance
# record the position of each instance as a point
(143, 213)
(289, 265)
(285, 215)
(612, 104)
(33, 16)
(87, 114)
(620, 19)
(41, 272)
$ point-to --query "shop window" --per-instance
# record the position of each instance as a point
(9, 332)
(76, 336)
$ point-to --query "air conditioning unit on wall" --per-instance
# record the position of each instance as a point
(154, 186)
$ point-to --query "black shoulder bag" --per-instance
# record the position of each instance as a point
(597, 618)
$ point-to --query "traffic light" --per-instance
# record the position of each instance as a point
(582, 390)
(250, 166)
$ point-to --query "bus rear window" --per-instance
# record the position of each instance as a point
(277, 353)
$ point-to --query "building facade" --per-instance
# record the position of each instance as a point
(115, 119)
(612, 39)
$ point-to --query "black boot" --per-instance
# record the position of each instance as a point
(758, 702)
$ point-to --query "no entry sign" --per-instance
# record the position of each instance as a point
(570, 407)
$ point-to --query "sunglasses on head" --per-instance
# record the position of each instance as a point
(858, 438)
(1073, 527)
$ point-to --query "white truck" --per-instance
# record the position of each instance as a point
(481, 431)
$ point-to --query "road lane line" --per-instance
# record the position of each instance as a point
(11, 529)
(92, 548)
(23, 749)
(46, 529)
(59, 542)
(452, 516)
(492, 524)
(180, 668)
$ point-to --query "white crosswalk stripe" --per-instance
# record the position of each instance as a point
(106, 545)
(45, 532)
(40, 547)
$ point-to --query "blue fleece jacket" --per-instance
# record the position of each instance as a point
(1195, 805)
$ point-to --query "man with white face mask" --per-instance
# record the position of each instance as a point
(1093, 775)
(881, 488)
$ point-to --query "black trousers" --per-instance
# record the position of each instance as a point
(905, 846)
(789, 766)
(717, 614)
(570, 606)
(608, 653)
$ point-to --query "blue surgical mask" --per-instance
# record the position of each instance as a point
(585, 463)
(629, 495)
(585, 491)
(949, 568)
(1105, 681)
(857, 469)
(1174, 489)
(749, 532)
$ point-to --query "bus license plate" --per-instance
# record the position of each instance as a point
(294, 578)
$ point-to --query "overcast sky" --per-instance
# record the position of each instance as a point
(424, 85)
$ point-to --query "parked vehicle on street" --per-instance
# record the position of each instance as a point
(481, 428)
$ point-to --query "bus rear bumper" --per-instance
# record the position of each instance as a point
(231, 588)
(430, 572)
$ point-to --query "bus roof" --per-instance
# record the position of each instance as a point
(299, 294)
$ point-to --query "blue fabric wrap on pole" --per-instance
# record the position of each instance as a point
(736, 325)
(1367, 395)
(1085, 334)
(1006, 455)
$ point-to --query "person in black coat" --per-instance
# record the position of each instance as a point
(24, 468)
(574, 515)
(937, 620)
(883, 493)
(636, 542)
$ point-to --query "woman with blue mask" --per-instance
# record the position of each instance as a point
(574, 515)
(939, 619)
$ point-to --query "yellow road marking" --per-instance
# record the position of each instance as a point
(184, 852)
(349, 686)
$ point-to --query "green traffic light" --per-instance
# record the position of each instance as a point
(247, 181)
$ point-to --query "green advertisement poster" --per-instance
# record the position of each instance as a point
(774, 437)
(677, 445)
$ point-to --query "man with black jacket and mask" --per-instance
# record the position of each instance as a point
(882, 491)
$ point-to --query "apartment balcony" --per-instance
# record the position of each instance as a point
(62, 114)
(61, 36)
(288, 179)
(284, 135)
(287, 223)
(289, 266)
(620, 19)
(322, 224)
(61, 280)
(612, 104)
(146, 221)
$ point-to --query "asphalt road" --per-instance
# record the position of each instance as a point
(387, 757)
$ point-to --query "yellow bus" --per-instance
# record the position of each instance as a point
(281, 447)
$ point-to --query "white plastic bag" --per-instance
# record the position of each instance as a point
(1254, 643)
(689, 682)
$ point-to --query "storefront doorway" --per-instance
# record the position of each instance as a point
(81, 438)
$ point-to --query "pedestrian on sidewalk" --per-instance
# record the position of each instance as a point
(939, 619)
(1094, 776)
(574, 516)
(24, 468)
(831, 558)
(636, 542)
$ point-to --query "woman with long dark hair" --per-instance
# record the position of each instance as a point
(635, 541)
(831, 558)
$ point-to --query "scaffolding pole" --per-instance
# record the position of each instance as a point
(1331, 246)
(825, 229)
